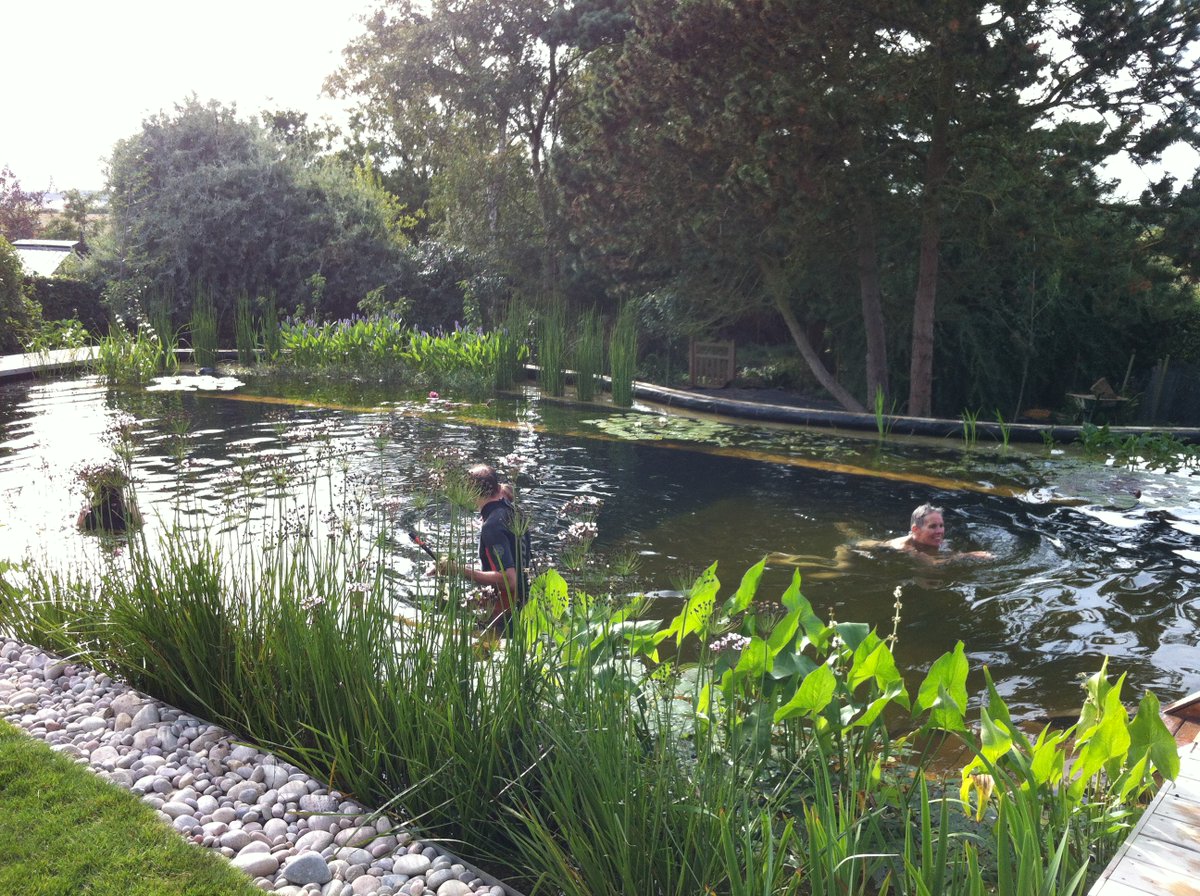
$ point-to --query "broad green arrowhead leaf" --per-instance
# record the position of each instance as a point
(813, 695)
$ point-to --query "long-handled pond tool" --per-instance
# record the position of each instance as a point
(422, 544)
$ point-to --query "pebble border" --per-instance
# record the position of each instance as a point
(283, 828)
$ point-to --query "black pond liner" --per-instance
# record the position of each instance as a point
(898, 425)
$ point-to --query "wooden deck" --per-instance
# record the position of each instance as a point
(16, 366)
(1162, 855)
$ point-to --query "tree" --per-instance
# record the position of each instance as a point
(20, 210)
(466, 94)
(204, 200)
(76, 219)
(789, 133)
(17, 313)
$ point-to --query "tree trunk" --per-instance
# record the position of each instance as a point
(774, 285)
(920, 388)
(872, 302)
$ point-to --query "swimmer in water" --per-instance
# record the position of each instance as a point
(924, 540)
(924, 543)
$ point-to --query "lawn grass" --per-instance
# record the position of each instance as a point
(65, 831)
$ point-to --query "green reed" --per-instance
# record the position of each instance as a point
(511, 347)
(622, 354)
(162, 328)
(585, 754)
(269, 334)
(883, 418)
(204, 329)
(245, 331)
(589, 354)
(552, 349)
(1005, 430)
(970, 429)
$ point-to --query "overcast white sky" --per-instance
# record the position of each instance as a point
(78, 75)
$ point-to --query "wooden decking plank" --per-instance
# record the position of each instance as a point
(1110, 887)
(1149, 874)
(1187, 732)
(1173, 832)
(1186, 811)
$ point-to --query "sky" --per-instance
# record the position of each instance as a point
(79, 75)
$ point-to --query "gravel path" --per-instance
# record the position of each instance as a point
(284, 829)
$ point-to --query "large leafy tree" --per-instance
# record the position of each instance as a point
(772, 138)
(466, 96)
(20, 209)
(204, 200)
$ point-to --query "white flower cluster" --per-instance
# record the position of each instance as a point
(582, 505)
(579, 533)
(730, 642)
(514, 463)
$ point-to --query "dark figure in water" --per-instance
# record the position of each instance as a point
(109, 512)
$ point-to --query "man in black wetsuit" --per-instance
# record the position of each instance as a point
(503, 548)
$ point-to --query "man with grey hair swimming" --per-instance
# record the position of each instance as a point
(924, 540)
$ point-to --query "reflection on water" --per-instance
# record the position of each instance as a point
(1112, 574)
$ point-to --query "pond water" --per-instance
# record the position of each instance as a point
(1091, 560)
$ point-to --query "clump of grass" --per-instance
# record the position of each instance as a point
(204, 329)
(970, 429)
(245, 331)
(270, 334)
(552, 349)
(589, 354)
(67, 831)
(623, 355)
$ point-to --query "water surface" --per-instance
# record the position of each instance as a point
(1091, 560)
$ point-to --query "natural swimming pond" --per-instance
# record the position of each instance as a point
(1091, 561)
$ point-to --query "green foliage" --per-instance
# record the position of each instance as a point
(552, 349)
(201, 199)
(53, 335)
(1159, 450)
(589, 354)
(20, 209)
(743, 745)
(204, 329)
(246, 332)
(271, 336)
(124, 357)
(17, 313)
(386, 347)
(970, 428)
(622, 355)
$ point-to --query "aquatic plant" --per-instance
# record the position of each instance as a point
(269, 335)
(204, 329)
(1005, 430)
(883, 419)
(385, 347)
(622, 355)
(55, 335)
(1156, 450)
(552, 349)
(589, 354)
(125, 357)
(741, 745)
(970, 428)
(245, 332)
